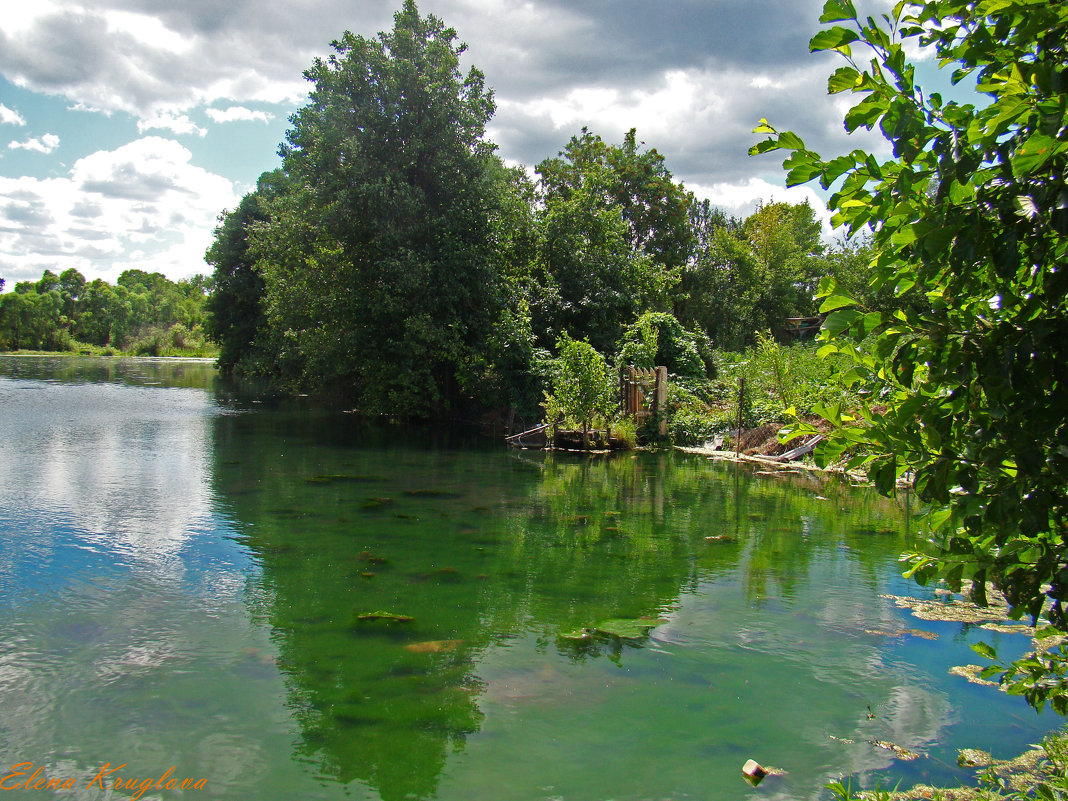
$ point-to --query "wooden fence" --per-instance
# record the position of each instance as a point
(644, 392)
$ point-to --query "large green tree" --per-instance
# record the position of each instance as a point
(972, 211)
(654, 207)
(615, 232)
(377, 263)
(751, 275)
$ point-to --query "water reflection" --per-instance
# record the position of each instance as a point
(119, 469)
(501, 559)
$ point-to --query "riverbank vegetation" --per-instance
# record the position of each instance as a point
(394, 263)
(143, 314)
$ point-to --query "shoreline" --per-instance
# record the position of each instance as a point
(62, 354)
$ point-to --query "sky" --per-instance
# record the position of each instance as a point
(127, 126)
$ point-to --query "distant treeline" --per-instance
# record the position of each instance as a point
(144, 313)
(396, 262)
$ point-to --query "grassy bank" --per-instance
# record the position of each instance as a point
(174, 341)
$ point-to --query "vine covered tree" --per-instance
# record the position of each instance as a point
(971, 211)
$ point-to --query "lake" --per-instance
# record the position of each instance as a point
(273, 601)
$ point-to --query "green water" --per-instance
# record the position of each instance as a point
(183, 567)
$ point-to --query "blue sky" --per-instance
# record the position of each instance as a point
(128, 125)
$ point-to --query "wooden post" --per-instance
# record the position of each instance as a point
(741, 400)
(660, 399)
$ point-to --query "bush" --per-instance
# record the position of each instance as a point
(657, 339)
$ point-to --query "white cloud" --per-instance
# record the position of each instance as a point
(238, 114)
(9, 116)
(148, 31)
(170, 121)
(141, 205)
(45, 144)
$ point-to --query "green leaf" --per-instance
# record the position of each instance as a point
(839, 321)
(803, 174)
(791, 141)
(1035, 152)
(835, 168)
(836, 302)
(836, 38)
(983, 649)
(866, 113)
(1025, 207)
(843, 79)
(766, 146)
(838, 10)
(803, 166)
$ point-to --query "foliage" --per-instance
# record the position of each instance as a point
(583, 388)
(65, 312)
(608, 240)
(377, 259)
(654, 209)
(657, 339)
(236, 304)
(691, 419)
(844, 792)
(971, 211)
(750, 276)
(781, 383)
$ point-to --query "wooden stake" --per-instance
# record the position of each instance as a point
(741, 399)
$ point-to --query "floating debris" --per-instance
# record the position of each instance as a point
(871, 715)
(845, 740)
(375, 503)
(897, 750)
(367, 574)
(576, 634)
(923, 635)
(388, 617)
(720, 538)
(1048, 643)
(627, 628)
(972, 674)
(753, 773)
(954, 610)
(371, 559)
(974, 758)
(619, 628)
(1009, 628)
(433, 646)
